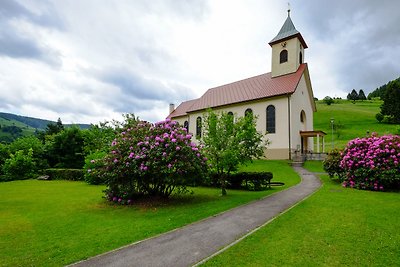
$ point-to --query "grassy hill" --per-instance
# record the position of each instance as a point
(13, 126)
(6, 136)
(350, 120)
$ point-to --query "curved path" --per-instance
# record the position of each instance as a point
(195, 242)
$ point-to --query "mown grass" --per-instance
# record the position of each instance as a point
(334, 227)
(354, 120)
(54, 223)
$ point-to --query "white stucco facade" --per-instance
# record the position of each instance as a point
(294, 107)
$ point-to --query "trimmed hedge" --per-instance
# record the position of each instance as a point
(65, 174)
(254, 181)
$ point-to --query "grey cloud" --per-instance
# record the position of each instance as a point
(365, 34)
(134, 85)
(48, 17)
(15, 45)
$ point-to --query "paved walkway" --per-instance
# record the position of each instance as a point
(190, 244)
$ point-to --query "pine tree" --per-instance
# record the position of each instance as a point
(361, 95)
(353, 96)
(391, 100)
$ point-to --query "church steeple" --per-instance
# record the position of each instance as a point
(287, 49)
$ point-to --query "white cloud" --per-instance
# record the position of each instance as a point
(88, 61)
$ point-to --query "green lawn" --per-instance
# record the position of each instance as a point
(334, 227)
(355, 120)
(53, 223)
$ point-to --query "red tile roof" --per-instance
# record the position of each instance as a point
(258, 87)
(182, 109)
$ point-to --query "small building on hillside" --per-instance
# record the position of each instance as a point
(282, 100)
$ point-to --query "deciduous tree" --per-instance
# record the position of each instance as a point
(229, 142)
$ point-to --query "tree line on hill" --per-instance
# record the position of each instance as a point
(353, 96)
(381, 91)
(389, 93)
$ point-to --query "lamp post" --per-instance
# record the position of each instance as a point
(332, 123)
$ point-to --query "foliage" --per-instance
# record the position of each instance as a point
(328, 100)
(66, 149)
(353, 96)
(13, 130)
(152, 159)
(379, 117)
(254, 181)
(93, 168)
(98, 138)
(4, 154)
(380, 91)
(391, 100)
(332, 164)
(228, 143)
(361, 95)
(31, 142)
(19, 166)
(372, 163)
(65, 174)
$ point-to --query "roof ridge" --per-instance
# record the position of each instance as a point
(216, 87)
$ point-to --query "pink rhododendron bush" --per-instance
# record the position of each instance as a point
(151, 159)
(372, 163)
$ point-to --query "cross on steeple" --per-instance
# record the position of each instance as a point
(288, 9)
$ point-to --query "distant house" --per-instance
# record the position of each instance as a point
(282, 99)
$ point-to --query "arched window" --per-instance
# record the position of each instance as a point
(271, 119)
(301, 58)
(186, 125)
(302, 116)
(248, 112)
(283, 56)
(198, 127)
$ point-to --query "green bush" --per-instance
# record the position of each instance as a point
(379, 117)
(332, 164)
(65, 174)
(93, 168)
(19, 166)
(255, 181)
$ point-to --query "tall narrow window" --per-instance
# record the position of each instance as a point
(271, 119)
(283, 56)
(301, 58)
(186, 125)
(198, 127)
(302, 116)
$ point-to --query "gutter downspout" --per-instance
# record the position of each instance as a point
(289, 124)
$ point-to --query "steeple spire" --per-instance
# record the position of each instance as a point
(288, 9)
(288, 31)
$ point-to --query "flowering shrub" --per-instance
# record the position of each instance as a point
(372, 163)
(94, 163)
(151, 159)
(332, 164)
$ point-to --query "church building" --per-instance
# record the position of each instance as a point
(282, 100)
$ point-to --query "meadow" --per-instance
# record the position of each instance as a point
(350, 121)
(336, 226)
(54, 223)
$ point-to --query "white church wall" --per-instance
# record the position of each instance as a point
(300, 100)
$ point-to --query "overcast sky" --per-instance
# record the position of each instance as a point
(87, 61)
